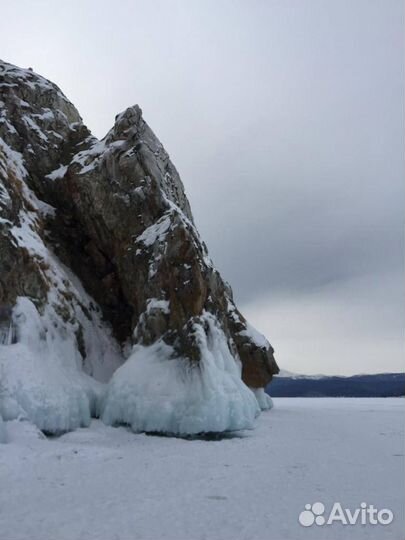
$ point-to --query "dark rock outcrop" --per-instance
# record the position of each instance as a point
(102, 233)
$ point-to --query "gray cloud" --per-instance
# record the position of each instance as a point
(354, 326)
(286, 122)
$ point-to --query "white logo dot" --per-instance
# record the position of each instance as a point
(318, 508)
(320, 520)
(306, 518)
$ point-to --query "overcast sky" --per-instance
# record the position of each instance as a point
(285, 120)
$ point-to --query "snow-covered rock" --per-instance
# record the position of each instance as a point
(100, 260)
(41, 377)
(156, 390)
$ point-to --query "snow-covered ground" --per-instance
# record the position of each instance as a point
(107, 483)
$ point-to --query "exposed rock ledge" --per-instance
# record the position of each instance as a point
(104, 278)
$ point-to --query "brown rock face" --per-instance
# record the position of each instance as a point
(113, 213)
(128, 199)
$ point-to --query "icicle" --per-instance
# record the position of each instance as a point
(6, 333)
(10, 335)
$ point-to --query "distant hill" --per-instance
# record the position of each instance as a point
(378, 385)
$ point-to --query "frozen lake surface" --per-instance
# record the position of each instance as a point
(106, 483)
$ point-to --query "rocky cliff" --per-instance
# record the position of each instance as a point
(105, 279)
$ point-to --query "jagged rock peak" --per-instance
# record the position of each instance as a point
(101, 266)
(127, 122)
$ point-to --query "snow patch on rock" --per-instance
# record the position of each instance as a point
(57, 173)
(255, 336)
(156, 232)
(154, 303)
